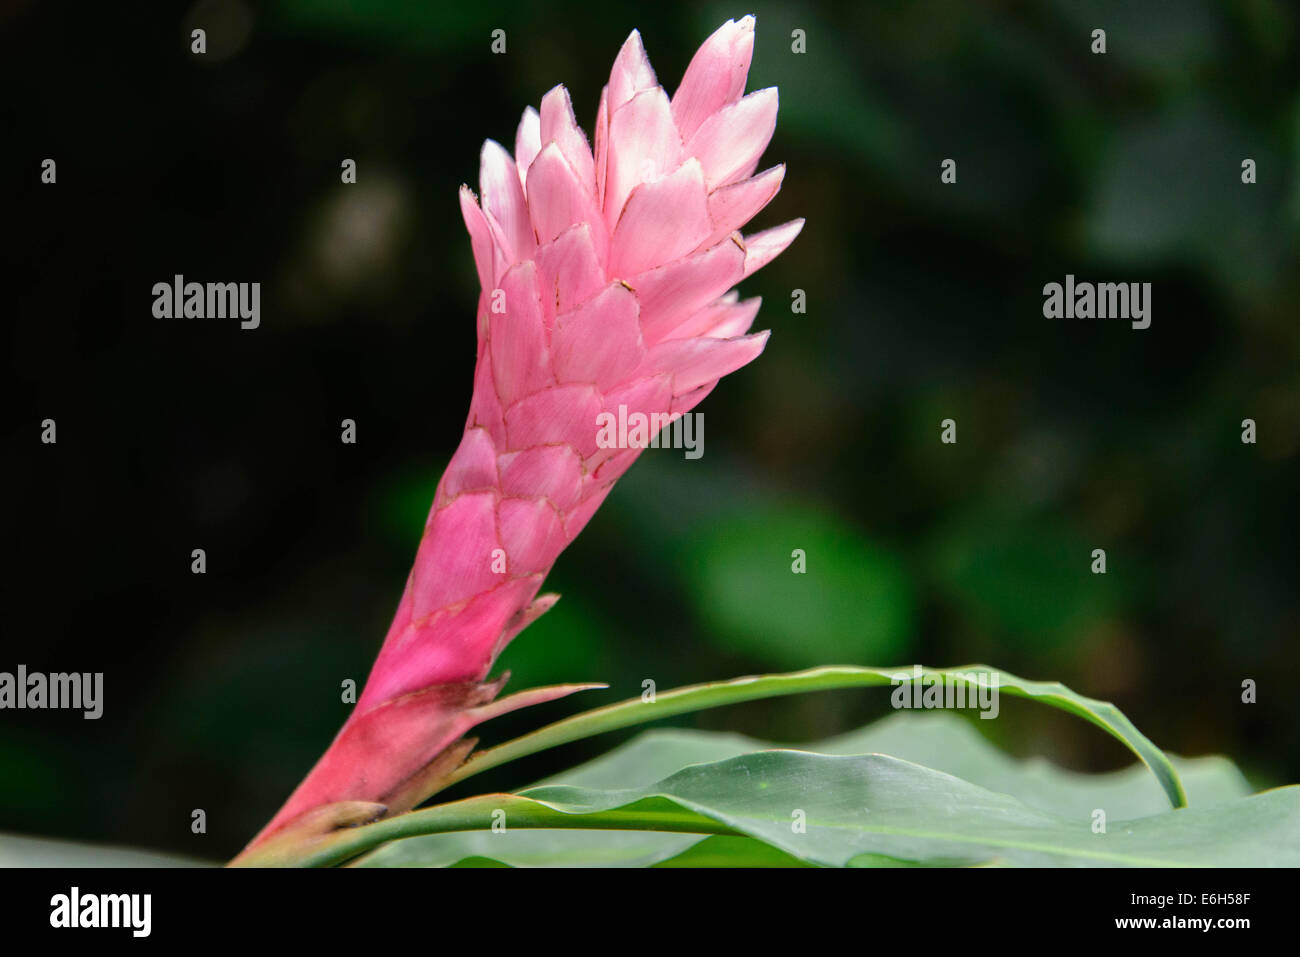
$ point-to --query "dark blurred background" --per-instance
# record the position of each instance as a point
(924, 303)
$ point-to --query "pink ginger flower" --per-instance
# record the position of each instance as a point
(605, 279)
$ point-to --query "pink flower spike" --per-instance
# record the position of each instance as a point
(606, 266)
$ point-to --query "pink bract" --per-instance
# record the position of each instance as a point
(605, 281)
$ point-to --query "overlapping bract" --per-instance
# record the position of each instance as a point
(605, 277)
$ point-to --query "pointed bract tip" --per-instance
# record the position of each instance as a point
(526, 699)
(558, 90)
(491, 146)
(632, 67)
(632, 51)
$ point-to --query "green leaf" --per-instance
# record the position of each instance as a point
(561, 848)
(698, 697)
(481, 813)
(663, 814)
(870, 809)
(18, 851)
(517, 847)
(721, 850)
(945, 742)
(941, 741)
